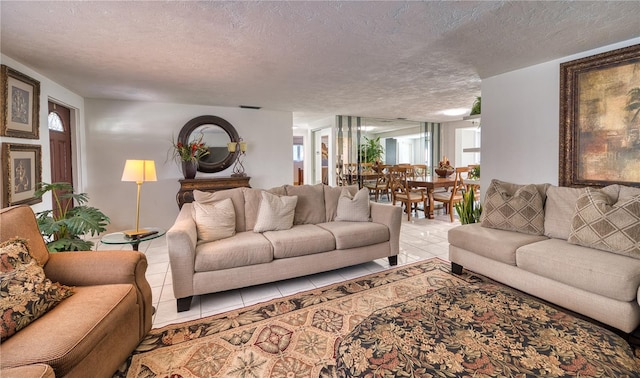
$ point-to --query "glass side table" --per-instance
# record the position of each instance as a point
(119, 238)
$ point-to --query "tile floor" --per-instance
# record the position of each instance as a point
(420, 239)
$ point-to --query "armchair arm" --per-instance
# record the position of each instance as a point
(104, 268)
(391, 216)
(181, 241)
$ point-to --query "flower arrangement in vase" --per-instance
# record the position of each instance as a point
(445, 169)
(189, 154)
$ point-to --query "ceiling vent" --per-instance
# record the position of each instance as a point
(250, 107)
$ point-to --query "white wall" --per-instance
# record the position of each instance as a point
(521, 120)
(50, 90)
(120, 130)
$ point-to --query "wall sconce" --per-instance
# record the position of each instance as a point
(138, 171)
(241, 147)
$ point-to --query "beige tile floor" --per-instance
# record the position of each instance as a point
(420, 239)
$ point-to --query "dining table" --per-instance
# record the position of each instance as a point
(431, 183)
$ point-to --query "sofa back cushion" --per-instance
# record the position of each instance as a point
(331, 197)
(310, 208)
(561, 206)
(237, 198)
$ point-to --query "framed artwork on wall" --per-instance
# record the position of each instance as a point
(20, 105)
(21, 173)
(600, 119)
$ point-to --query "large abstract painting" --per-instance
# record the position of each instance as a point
(600, 119)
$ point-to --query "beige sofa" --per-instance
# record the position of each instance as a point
(600, 284)
(316, 243)
(91, 333)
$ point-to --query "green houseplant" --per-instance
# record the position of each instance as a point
(62, 229)
(469, 209)
(371, 150)
(476, 108)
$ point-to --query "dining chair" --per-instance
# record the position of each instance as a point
(379, 186)
(401, 192)
(450, 197)
(419, 171)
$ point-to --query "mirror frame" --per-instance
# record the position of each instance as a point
(193, 124)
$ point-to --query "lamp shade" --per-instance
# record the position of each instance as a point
(139, 171)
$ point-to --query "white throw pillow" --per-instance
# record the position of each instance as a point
(353, 208)
(275, 213)
(214, 221)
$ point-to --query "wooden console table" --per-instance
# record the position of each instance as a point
(211, 184)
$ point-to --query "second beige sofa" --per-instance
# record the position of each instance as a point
(316, 242)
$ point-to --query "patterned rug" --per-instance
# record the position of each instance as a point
(297, 336)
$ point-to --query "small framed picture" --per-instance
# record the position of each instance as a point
(21, 173)
(20, 105)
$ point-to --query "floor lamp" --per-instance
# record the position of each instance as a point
(138, 171)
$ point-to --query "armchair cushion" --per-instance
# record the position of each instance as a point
(25, 293)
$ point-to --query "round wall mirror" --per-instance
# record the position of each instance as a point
(216, 133)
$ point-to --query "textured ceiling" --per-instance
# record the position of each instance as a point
(373, 59)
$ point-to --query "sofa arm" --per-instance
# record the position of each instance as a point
(104, 268)
(181, 242)
(391, 216)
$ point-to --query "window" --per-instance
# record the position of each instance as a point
(298, 152)
(55, 123)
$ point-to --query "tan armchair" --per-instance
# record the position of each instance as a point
(92, 332)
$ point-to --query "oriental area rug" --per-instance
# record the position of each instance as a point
(417, 320)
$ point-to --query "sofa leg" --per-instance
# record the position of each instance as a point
(456, 268)
(393, 260)
(184, 304)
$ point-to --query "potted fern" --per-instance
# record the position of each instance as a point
(62, 229)
(469, 209)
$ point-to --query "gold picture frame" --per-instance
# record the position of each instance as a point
(20, 105)
(21, 173)
(600, 119)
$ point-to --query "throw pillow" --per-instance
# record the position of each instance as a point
(215, 220)
(25, 292)
(353, 208)
(521, 211)
(610, 227)
(275, 213)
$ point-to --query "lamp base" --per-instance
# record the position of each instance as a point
(135, 234)
(239, 174)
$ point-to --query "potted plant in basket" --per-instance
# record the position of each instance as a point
(189, 154)
(62, 229)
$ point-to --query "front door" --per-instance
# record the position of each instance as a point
(60, 145)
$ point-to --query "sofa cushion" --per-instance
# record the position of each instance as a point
(331, 197)
(357, 234)
(237, 197)
(252, 200)
(275, 213)
(353, 208)
(310, 208)
(604, 273)
(599, 224)
(244, 248)
(491, 243)
(215, 220)
(519, 210)
(72, 330)
(303, 239)
(559, 209)
(25, 293)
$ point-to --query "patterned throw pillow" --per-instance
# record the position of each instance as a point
(275, 213)
(214, 220)
(610, 227)
(353, 208)
(25, 293)
(522, 211)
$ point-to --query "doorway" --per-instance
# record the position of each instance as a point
(59, 121)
